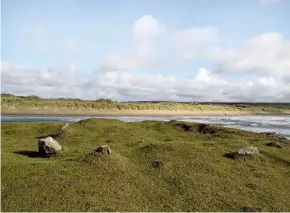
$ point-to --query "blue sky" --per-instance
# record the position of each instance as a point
(78, 36)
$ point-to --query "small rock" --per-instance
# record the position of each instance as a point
(250, 150)
(242, 153)
(48, 146)
(104, 149)
(157, 164)
(64, 127)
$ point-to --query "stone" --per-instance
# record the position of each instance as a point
(104, 149)
(242, 153)
(250, 150)
(64, 127)
(48, 146)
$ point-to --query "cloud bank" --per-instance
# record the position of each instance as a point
(266, 57)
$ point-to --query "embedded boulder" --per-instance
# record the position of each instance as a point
(48, 147)
(243, 153)
(104, 149)
(248, 151)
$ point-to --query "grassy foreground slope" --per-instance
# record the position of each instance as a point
(10, 102)
(194, 174)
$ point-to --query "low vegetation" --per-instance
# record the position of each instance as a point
(154, 166)
(9, 102)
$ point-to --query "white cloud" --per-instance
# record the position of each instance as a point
(259, 89)
(144, 30)
(204, 86)
(145, 55)
(146, 27)
(115, 62)
(196, 36)
(267, 54)
(149, 53)
(45, 82)
(194, 42)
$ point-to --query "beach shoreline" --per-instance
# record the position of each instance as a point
(142, 113)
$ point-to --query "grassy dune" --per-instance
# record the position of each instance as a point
(11, 103)
(194, 174)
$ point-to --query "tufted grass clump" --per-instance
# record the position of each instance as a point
(154, 166)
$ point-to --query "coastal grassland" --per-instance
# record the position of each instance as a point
(193, 175)
(11, 102)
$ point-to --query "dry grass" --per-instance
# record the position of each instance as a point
(9, 102)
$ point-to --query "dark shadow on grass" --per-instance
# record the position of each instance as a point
(251, 209)
(231, 155)
(206, 129)
(236, 156)
(31, 154)
(274, 144)
(185, 127)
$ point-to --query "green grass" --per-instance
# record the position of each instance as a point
(195, 175)
(9, 101)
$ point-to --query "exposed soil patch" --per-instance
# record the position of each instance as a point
(274, 144)
(207, 129)
(184, 127)
(157, 164)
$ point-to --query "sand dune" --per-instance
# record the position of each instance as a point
(124, 113)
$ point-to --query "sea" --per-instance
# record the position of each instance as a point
(255, 123)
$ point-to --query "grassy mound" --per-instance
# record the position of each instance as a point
(154, 166)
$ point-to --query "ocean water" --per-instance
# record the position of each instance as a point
(262, 123)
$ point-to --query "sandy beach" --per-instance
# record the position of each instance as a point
(126, 113)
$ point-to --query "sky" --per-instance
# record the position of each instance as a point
(169, 50)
